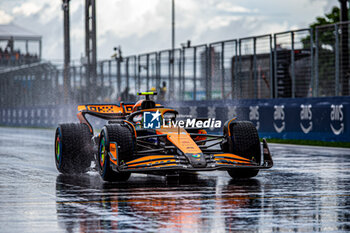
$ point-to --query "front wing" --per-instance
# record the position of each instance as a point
(220, 161)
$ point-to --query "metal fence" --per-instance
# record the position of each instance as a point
(293, 64)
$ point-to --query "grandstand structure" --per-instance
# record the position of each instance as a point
(21, 66)
(18, 46)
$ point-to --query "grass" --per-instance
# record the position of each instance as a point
(309, 142)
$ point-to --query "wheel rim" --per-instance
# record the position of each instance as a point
(58, 146)
(102, 152)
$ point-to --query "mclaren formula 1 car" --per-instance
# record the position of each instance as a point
(142, 138)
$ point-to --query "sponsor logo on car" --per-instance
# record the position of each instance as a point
(193, 123)
(151, 120)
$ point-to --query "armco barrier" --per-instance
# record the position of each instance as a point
(325, 119)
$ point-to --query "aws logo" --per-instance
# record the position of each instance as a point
(278, 116)
(232, 112)
(306, 118)
(337, 117)
(254, 115)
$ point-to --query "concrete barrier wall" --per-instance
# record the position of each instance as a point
(325, 119)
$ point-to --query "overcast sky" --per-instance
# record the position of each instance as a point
(145, 25)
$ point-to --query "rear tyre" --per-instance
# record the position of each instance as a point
(73, 148)
(122, 135)
(244, 141)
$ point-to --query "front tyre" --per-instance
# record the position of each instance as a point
(242, 173)
(244, 141)
(122, 136)
(73, 148)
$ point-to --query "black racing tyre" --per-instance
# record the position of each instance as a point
(244, 141)
(73, 148)
(122, 135)
(243, 173)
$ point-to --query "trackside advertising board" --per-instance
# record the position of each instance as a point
(324, 119)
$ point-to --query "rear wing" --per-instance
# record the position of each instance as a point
(107, 110)
(104, 111)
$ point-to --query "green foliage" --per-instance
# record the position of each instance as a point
(326, 48)
(327, 35)
(330, 18)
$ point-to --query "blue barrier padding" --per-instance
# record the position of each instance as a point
(322, 119)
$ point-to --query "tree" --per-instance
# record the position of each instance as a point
(326, 45)
(330, 18)
(324, 38)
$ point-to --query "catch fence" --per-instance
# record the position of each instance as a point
(303, 63)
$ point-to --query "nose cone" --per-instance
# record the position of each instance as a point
(197, 160)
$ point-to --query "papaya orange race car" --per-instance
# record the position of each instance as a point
(144, 137)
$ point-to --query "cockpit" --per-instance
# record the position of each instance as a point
(166, 116)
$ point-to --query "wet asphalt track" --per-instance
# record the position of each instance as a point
(307, 190)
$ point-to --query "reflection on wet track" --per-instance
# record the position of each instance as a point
(307, 190)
